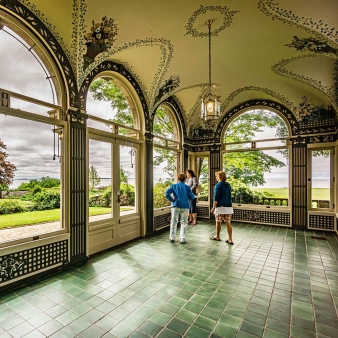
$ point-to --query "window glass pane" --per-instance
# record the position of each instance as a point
(165, 173)
(202, 174)
(163, 125)
(30, 205)
(255, 145)
(320, 179)
(34, 79)
(128, 169)
(258, 177)
(100, 180)
(106, 101)
(256, 125)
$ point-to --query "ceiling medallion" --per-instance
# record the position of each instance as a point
(227, 20)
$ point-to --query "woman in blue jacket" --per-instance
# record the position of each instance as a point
(222, 207)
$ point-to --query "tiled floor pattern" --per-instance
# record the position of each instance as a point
(274, 282)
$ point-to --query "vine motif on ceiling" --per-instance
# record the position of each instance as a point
(36, 19)
(280, 69)
(227, 20)
(252, 104)
(311, 45)
(168, 87)
(52, 29)
(307, 112)
(166, 49)
(100, 38)
(320, 29)
(192, 110)
(267, 91)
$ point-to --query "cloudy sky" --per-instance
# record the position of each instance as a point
(30, 145)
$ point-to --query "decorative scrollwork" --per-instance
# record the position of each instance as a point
(9, 266)
(77, 116)
(227, 20)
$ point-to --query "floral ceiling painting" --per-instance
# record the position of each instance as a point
(100, 38)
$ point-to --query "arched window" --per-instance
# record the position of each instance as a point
(114, 147)
(167, 154)
(111, 109)
(256, 158)
(32, 127)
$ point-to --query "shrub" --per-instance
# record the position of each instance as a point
(160, 200)
(10, 207)
(107, 197)
(47, 199)
(127, 194)
(36, 189)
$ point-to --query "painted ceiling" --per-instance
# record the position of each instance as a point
(285, 51)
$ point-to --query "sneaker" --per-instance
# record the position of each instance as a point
(182, 241)
(172, 240)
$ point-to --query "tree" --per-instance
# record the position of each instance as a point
(7, 169)
(107, 90)
(123, 176)
(94, 178)
(250, 166)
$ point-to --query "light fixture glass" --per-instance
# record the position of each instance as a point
(211, 106)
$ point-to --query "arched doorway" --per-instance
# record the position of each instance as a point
(114, 163)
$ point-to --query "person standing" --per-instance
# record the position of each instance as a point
(222, 206)
(179, 195)
(192, 182)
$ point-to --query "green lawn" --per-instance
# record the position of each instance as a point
(318, 193)
(35, 217)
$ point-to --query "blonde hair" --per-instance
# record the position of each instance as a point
(221, 175)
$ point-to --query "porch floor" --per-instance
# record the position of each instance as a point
(274, 282)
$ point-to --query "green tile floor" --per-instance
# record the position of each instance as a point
(274, 282)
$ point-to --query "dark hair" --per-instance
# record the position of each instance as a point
(191, 172)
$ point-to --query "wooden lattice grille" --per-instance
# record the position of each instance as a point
(321, 222)
(78, 199)
(32, 260)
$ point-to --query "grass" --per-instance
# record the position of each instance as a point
(318, 193)
(36, 217)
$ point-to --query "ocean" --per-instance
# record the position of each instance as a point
(271, 182)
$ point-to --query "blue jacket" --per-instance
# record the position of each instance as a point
(179, 195)
(222, 194)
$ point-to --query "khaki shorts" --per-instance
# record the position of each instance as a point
(223, 217)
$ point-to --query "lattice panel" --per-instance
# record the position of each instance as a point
(267, 217)
(321, 222)
(32, 260)
(299, 183)
(161, 221)
(203, 212)
(316, 124)
(78, 197)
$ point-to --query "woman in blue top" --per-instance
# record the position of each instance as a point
(222, 207)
